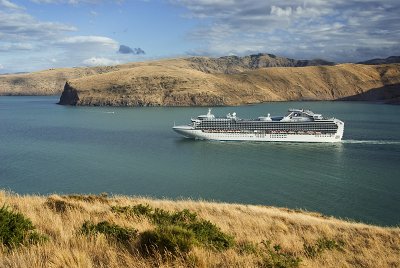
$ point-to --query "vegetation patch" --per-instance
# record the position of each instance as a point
(16, 229)
(321, 245)
(121, 234)
(276, 258)
(131, 211)
(58, 205)
(205, 233)
(173, 239)
(246, 247)
(102, 198)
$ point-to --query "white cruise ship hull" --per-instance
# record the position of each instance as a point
(190, 132)
(298, 126)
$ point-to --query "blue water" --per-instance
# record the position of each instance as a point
(46, 148)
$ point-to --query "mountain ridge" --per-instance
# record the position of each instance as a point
(52, 81)
(179, 83)
(388, 60)
(205, 81)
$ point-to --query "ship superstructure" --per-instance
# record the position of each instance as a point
(298, 125)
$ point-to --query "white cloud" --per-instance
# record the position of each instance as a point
(1, 66)
(74, 2)
(342, 30)
(95, 61)
(9, 5)
(7, 47)
(21, 27)
(101, 41)
(281, 12)
(76, 49)
(28, 44)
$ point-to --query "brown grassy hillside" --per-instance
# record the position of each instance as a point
(210, 81)
(52, 81)
(315, 240)
(183, 83)
(47, 82)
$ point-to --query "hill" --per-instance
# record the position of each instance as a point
(235, 64)
(101, 231)
(52, 81)
(47, 82)
(208, 82)
(388, 60)
(205, 81)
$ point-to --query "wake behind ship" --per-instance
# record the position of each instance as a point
(297, 126)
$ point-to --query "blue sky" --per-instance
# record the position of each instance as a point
(42, 34)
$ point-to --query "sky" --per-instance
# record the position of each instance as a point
(43, 34)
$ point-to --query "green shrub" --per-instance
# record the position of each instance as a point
(103, 198)
(58, 205)
(173, 239)
(114, 231)
(210, 235)
(16, 229)
(321, 245)
(141, 210)
(137, 210)
(121, 210)
(275, 258)
(163, 217)
(157, 216)
(246, 247)
(205, 232)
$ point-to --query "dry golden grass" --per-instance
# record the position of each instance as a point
(180, 83)
(59, 217)
(48, 82)
(206, 81)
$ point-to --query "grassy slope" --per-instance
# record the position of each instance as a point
(365, 245)
(47, 82)
(180, 83)
(206, 81)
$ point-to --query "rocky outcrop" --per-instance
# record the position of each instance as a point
(69, 95)
(235, 64)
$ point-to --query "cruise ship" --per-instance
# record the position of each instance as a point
(298, 125)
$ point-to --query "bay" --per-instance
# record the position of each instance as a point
(47, 148)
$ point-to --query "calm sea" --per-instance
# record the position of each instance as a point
(46, 148)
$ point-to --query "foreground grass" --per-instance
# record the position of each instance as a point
(100, 231)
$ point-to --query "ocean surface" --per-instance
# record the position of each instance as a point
(47, 148)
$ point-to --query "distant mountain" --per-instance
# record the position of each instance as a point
(235, 64)
(391, 59)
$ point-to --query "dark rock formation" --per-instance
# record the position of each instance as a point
(69, 96)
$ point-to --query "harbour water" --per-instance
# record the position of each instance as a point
(47, 148)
